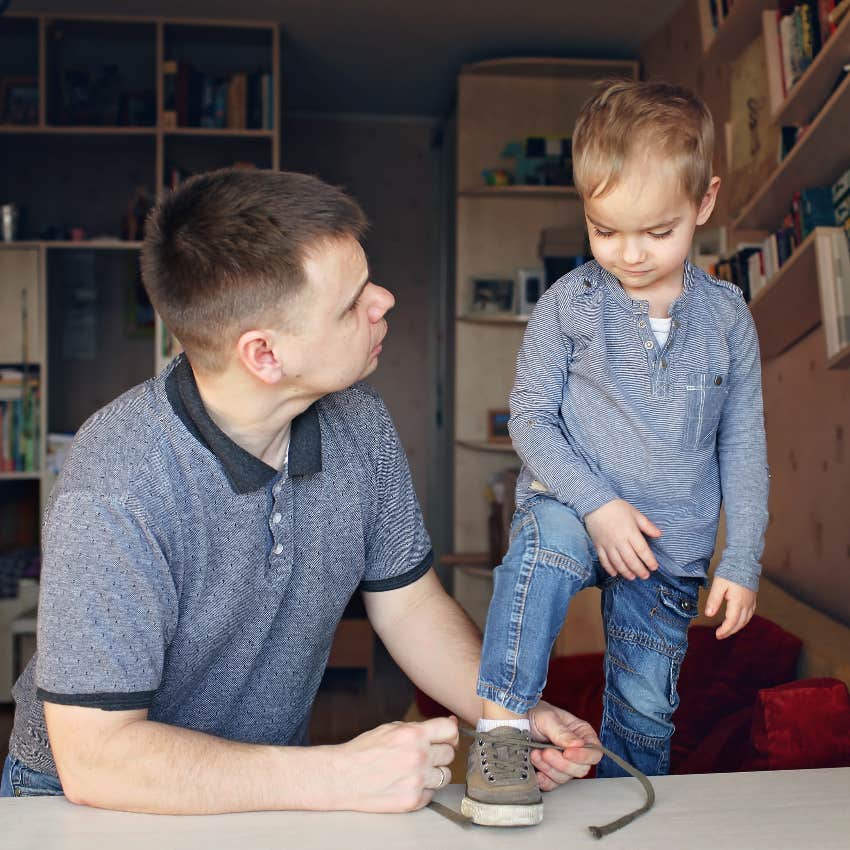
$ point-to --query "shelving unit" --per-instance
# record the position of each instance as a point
(68, 172)
(498, 231)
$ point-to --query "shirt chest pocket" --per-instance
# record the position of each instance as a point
(706, 394)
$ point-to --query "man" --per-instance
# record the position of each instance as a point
(210, 525)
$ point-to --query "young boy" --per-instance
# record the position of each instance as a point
(637, 404)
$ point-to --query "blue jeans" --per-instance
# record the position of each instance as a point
(19, 781)
(550, 558)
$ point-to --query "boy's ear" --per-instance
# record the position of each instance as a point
(708, 201)
(258, 353)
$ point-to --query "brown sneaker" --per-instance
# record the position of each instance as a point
(501, 784)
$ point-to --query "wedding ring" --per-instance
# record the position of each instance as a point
(444, 776)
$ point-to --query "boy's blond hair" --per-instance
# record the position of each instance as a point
(625, 120)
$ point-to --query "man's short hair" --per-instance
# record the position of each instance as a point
(226, 250)
(626, 119)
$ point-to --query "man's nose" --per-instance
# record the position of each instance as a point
(382, 302)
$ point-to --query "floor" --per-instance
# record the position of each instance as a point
(347, 703)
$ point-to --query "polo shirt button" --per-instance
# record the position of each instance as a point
(663, 363)
(278, 549)
(276, 518)
(718, 380)
(649, 344)
(641, 324)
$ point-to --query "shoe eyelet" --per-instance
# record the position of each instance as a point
(480, 742)
(525, 776)
(491, 779)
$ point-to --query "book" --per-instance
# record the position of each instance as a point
(168, 116)
(755, 138)
(773, 58)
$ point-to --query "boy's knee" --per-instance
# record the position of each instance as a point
(560, 531)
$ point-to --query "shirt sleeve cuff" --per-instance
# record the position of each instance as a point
(402, 580)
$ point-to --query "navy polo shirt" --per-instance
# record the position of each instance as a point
(183, 575)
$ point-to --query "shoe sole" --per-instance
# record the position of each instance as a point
(496, 814)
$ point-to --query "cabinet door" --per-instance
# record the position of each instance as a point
(20, 310)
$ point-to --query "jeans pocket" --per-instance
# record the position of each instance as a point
(32, 783)
(706, 395)
(676, 611)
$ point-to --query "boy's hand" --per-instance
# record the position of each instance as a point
(740, 605)
(617, 530)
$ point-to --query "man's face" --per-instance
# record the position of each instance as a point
(641, 231)
(337, 336)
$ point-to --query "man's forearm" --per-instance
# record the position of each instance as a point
(146, 766)
(438, 647)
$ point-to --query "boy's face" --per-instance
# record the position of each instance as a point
(641, 231)
(340, 322)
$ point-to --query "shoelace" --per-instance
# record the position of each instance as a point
(595, 831)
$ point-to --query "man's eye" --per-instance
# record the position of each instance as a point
(354, 306)
(603, 233)
(662, 235)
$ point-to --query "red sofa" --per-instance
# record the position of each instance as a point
(740, 708)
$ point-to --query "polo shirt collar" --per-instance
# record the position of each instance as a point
(245, 472)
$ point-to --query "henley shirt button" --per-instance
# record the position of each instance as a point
(641, 324)
(649, 344)
(663, 363)
(718, 380)
(588, 284)
(276, 518)
(278, 549)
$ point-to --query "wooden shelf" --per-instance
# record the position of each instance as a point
(815, 84)
(788, 306)
(736, 31)
(86, 244)
(485, 446)
(494, 319)
(520, 192)
(75, 130)
(816, 160)
(219, 132)
(20, 476)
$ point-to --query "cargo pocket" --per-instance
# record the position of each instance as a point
(706, 394)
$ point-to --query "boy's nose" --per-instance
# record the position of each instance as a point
(632, 252)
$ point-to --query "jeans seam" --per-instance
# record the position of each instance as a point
(518, 612)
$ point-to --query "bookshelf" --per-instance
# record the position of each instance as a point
(99, 141)
(794, 301)
(498, 230)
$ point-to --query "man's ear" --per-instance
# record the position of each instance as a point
(259, 352)
(706, 207)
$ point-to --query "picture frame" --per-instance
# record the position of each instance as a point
(530, 286)
(19, 98)
(497, 425)
(493, 294)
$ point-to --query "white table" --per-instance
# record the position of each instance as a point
(803, 810)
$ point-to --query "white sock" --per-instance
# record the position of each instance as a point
(485, 725)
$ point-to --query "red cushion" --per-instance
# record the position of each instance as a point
(719, 678)
(804, 724)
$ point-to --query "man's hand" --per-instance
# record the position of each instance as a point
(740, 605)
(393, 768)
(555, 767)
(617, 530)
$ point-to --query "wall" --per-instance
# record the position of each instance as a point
(389, 166)
(807, 407)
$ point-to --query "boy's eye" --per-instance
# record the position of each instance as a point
(662, 235)
(603, 233)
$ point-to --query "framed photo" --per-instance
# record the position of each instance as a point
(530, 285)
(19, 100)
(497, 425)
(492, 295)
